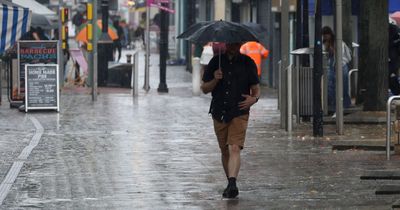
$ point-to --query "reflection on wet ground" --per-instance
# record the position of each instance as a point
(160, 152)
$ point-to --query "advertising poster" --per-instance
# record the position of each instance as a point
(32, 52)
(41, 86)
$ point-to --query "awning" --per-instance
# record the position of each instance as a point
(36, 7)
(328, 6)
(14, 22)
(394, 6)
(41, 15)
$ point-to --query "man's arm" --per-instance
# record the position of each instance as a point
(207, 87)
(250, 99)
(255, 91)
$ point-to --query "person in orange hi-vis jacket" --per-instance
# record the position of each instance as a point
(256, 51)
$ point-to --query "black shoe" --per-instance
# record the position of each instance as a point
(232, 192)
(225, 193)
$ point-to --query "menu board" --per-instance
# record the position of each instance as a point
(34, 52)
(41, 87)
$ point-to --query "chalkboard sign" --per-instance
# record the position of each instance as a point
(41, 87)
(33, 52)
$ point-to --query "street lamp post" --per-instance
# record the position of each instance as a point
(105, 50)
(92, 50)
(317, 74)
(339, 68)
(95, 54)
(162, 87)
(60, 50)
(285, 40)
(147, 56)
(190, 20)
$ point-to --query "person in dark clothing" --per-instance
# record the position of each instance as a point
(65, 52)
(139, 33)
(157, 20)
(117, 45)
(41, 34)
(28, 35)
(232, 79)
(394, 59)
(78, 19)
(32, 34)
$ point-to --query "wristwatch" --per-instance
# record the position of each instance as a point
(257, 97)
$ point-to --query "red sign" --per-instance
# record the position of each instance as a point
(157, 3)
(150, 2)
(163, 8)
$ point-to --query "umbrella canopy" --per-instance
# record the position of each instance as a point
(258, 29)
(42, 21)
(394, 5)
(82, 32)
(396, 16)
(222, 31)
(192, 29)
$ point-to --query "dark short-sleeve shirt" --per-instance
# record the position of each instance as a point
(239, 74)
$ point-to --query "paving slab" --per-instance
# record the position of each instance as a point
(388, 190)
(158, 151)
(382, 175)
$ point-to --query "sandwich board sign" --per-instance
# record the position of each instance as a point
(32, 52)
(41, 87)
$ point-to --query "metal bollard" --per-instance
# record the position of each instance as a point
(388, 124)
(135, 74)
(297, 89)
(289, 99)
(196, 74)
(129, 58)
(1, 79)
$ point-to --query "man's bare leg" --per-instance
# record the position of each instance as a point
(234, 160)
(225, 159)
(231, 190)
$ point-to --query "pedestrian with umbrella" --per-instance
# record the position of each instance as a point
(82, 32)
(232, 79)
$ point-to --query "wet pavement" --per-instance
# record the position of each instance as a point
(158, 151)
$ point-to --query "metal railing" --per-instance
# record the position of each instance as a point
(305, 92)
(279, 84)
(388, 124)
(349, 80)
(290, 98)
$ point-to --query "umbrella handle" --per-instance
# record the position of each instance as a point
(219, 59)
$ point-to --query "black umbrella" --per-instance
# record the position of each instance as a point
(258, 29)
(192, 29)
(219, 31)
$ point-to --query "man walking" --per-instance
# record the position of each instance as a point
(232, 78)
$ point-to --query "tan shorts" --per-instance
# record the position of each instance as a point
(232, 133)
